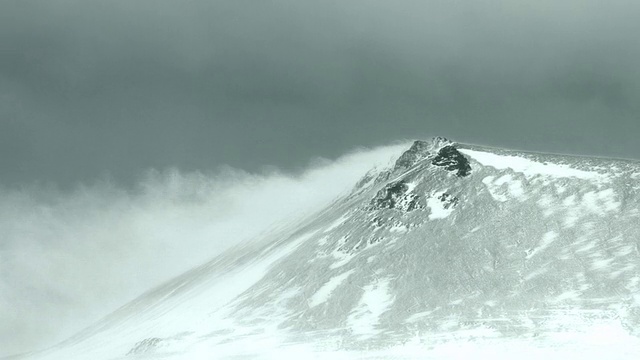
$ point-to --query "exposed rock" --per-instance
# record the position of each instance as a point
(448, 200)
(419, 151)
(452, 160)
(395, 196)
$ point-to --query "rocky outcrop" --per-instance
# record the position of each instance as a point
(419, 151)
(452, 160)
(448, 200)
(395, 196)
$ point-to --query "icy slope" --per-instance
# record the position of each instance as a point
(454, 248)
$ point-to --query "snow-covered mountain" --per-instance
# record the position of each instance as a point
(452, 251)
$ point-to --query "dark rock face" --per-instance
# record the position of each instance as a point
(395, 196)
(388, 197)
(448, 200)
(452, 160)
(417, 151)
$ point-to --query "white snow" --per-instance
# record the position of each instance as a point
(417, 316)
(323, 240)
(410, 187)
(500, 192)
(494, 190)
(324, 293)
(530, 168)
(601, 264)
(601, 202)
(624, 250)
(438, 211)
(341, 220)
(587, 247)
(567, 295)
(577, 206)
(535, 274)
(342, 257)
(399, 228)
(547, 240)
(596, 340)
(375, 301)
(569, 201)
(634, 284)
(514, 186)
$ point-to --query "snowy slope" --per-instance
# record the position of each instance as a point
(453, 250)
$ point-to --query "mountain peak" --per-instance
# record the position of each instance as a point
(452, 160)
(420, 150)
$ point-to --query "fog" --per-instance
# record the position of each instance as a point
(69, 258)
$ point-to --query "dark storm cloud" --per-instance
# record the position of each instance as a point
(90, 88)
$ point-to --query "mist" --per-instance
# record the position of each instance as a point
(70, 257)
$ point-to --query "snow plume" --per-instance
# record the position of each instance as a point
(69, 258)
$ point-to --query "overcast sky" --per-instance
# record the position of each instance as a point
(92, 89)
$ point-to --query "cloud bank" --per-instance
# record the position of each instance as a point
(200, 83)
(69, 258)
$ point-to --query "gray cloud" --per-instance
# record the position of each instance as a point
(68, 258)
(114, 87)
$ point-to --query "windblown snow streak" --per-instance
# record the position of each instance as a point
(452, 250)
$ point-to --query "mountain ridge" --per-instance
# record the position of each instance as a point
(451, 241)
